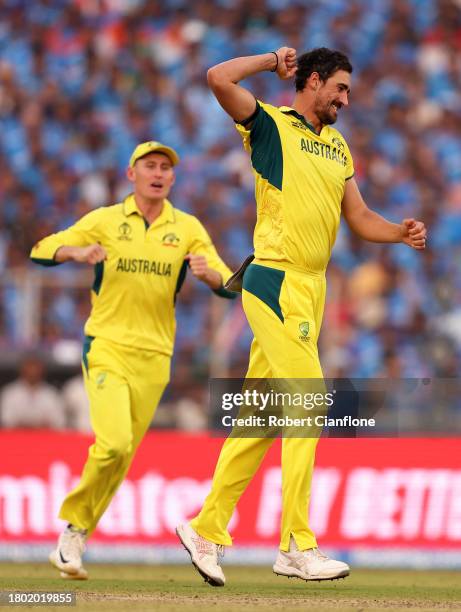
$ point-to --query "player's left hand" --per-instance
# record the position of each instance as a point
(414, 234)
(199, 267)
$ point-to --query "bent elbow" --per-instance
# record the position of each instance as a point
(211, 77)
(214, 78)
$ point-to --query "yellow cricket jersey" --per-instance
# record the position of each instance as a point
(134, 290)
(300, 180)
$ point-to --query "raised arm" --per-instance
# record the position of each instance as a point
(373, 227)
(223, 79)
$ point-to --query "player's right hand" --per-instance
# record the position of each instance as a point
(414, 234)
(92, 254)
(287, 62)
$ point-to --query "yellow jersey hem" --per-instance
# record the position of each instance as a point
(288, 266)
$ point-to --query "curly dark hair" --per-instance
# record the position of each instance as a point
(322, 60)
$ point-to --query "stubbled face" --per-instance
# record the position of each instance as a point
(152, 176)
(331, 96)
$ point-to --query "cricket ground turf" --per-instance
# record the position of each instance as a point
(180, 588)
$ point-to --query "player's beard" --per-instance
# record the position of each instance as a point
(327, 115)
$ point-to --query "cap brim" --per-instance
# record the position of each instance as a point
(168, 151)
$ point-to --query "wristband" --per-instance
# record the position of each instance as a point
(277, 64)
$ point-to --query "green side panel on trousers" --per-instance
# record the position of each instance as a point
(265, 284)
(86, 349)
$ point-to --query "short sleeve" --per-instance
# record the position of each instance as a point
(245, 131)
(262, 140)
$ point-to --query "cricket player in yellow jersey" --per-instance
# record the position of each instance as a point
(304, 177)
(140, 249)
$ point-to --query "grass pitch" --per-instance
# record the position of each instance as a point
(180, 588)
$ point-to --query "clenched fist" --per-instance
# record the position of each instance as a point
(92, 254)
(286, 67)
(414, 234)
(199, 268)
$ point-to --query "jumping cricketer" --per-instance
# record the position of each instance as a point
(304, 180)
(140, 249)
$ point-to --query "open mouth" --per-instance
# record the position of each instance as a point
(156, 185)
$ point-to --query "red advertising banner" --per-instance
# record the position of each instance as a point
(366, 492)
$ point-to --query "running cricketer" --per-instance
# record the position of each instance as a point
(140, 249)
(304, 178)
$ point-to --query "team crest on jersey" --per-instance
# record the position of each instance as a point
(338, 143)
(170, 240)
(304, 329)
(124, 232)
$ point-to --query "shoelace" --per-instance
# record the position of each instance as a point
(316, 552)
(205, 547)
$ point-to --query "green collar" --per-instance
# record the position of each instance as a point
(291, 111)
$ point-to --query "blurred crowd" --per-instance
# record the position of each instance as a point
(30, 401)
(83, 81)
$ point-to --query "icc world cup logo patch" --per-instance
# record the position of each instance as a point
(124, 232)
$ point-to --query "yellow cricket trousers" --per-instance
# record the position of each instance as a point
(124, 386)
(284, 309)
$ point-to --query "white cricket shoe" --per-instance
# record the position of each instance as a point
(67, 557)
(309, 564)
(203, 554)
(81, 575)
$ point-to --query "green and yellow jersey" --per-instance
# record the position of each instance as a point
(134, 290)
(300, 180)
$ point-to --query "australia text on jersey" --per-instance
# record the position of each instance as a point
(324, 150)
(143, 266)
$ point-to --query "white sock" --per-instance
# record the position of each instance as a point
(293, 546)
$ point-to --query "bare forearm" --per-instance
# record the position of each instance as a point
(239, 68)
(66, 253)
(371, 226)
(199, 267)
(212, 279)
(92, 254)
(223, 79)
